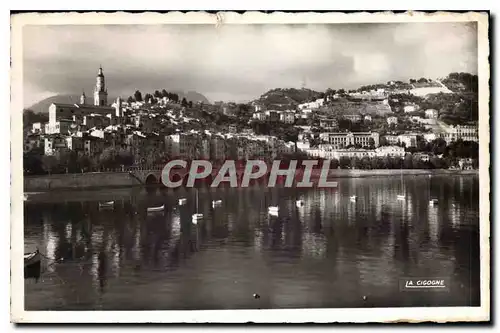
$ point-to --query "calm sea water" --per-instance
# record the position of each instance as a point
(330, 252)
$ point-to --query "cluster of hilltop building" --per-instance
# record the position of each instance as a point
(89, 128)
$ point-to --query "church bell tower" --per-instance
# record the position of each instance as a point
(100, 91)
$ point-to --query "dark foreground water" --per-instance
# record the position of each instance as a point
(329, 253)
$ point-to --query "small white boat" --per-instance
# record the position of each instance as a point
(401, 197)
(156, 209)
(107, 204)
(216, 203)
(273, 210)
(299, 203)
(353, 198)
(433, 202)
(182, 201)
(196, 217)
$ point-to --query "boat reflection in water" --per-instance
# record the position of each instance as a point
(326, 252)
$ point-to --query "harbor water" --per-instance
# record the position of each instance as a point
(329, 251)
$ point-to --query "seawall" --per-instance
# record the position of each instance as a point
(78, 181)
(123, 179)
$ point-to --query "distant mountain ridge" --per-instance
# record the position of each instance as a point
(43, 105)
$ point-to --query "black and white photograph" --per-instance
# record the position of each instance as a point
(172, 167)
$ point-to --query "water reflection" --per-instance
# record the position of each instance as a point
(327, 253)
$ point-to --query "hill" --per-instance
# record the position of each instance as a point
(192, 96)
(287, 98)
(43, 105)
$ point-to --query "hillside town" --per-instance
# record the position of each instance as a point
(424, 124)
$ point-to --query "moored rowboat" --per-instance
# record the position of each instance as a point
(107, 204)
(31, 259)
(156, 209)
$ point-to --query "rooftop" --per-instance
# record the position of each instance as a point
(83, 106)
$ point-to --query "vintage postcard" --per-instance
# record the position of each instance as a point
(250, 167)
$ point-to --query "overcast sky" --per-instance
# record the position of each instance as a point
(239, 62)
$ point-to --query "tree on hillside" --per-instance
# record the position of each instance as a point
(261, 127)
(190, 104)
(438, 146)
(130, 100)
(148, 98)
(30, 117)
(157, 94)
(138, 96)
(49, 163)
(173, 97)
(344, 162)
(371, 143)
(184, 102)
(32, 162)
(164, 93)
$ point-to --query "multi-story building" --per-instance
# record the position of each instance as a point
(329, 123)
(431, 114)
(352, 117)
(182, 145)
(341, 140)
(327, 151)
(393, 151)
(303, 145)
(54, 144)
(410, 108)
(62, 126)
(288, 117)
(144, 122)
(38, 128)
(203, 151)
(429, 137)
(74, 143)
(312, 105)
(260, 116)
(392, 120)
(391, 139)
(465, 133)
(409, 139)
(217, 148)
(273, 115)
(33, 141)
(96, 120)
(466, 163)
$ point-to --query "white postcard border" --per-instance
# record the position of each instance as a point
(435, 314)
